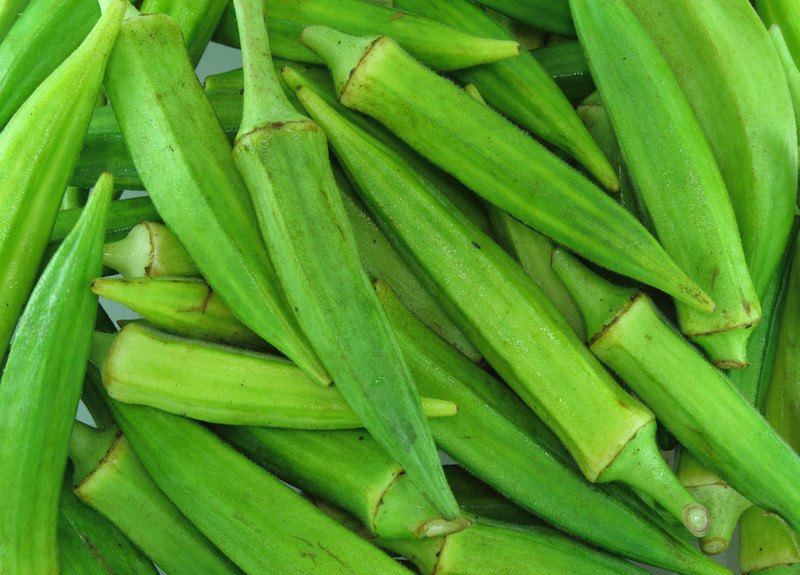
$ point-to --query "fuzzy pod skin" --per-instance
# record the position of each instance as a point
(184, 159)
(519, 88)
(110, 479)
(550, 15)
(350, 470)
(723, 60)
(193, 379)
(675, 173)
(494, 158)
(566, 63)
(43, 37)
(786, 14)
(197, 19)
(253, 518)
(283, 158)
(38, 399)
(690, 397)
(122, 216)
(149, 250)
(38, 148)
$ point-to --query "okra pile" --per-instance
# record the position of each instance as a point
(550, 243)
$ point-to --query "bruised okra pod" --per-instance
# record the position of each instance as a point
(494, 158)
(350, 470)
(519, 88)
(38, 399)
(283, 158)
(193, 378)
(197, 18)
(149, 250)
(567, 393)
(550, 15)
(690, 396)
(110, 479)
(38, 148)
(675, 174)
(184, 159)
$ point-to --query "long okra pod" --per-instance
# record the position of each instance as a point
(283, 158)
(675, 174)
(723, 60)
(786, 14)
(494, 158)
(149, 250)
(445, 249)
(550, 15)
(38, 399)
(184, 159)
(690, 396)
(519, 88)
(38, 148)
(111, 479)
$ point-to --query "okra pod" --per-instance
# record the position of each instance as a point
(10, 10)
(519, 88)
(566, 63)
(38, 148)
(785, 14)
(74, 558)
(675, 173)
(283, 158)
(789, 69)
(110, 479)
(192, 378)
(690, 397)
(350, 470)
(185, 161)
(197, 20)
(766, 545)
(149, 250)
(122, 216)
(42, 38)
(38, 399)
(724, 62)
(493, 157)
(477, 499)
(550, 15)
(566, 393)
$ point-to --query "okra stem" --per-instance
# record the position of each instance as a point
(149, 250)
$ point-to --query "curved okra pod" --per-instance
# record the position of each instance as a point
(46, 33)
(184, 159)
(193, 379)
(110, 479)
(690, 397)
(283, 158)
(38, 148)
(149, 250)
(38, 399)
(675, 174)
(566, 63)
(197, 18)
(519, 88)
(729, 72)
(785, 14)
(550, 15)
(350, 470)
(566, 394)
(494, 158)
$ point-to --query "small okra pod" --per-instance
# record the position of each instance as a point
(494, 158)
(675, 174)
(688, 395)
(184, 159)
(149, 250)
(566, 63)
(519, 88)
(110, 479)
(122, 216)
(38, 148)
(193, 378)
(38, 399)
(197, 18)
(347, 469)
(786, 14)
(566, 393)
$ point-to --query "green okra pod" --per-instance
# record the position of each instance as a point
(494, 158)
(789, 68)
(690, 396)
(547, 365)
(197, 18)
(675, 173)
(110, 479)
(477, 499)
(43, 37)
(184, 159)
(38, 148)
(566, 63)
(192, 378)
(724, 62)
(74, 558)
(283, 158)
(519, 88)
(550, 15)
(786, 14)
(122, 216)
(149, 250)
(350, 470)
(10, 10)
(38, 399)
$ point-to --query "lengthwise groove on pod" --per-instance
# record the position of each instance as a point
(675, 173)
(565, 393)
(494, 158)
(689, 396)
(184, 159)
(110, 479)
